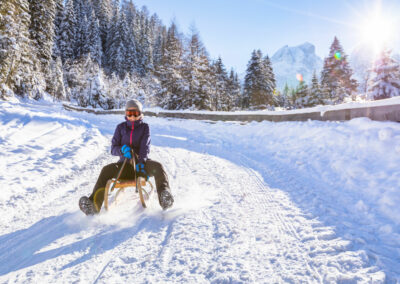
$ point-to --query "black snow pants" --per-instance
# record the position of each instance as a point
(152, 168)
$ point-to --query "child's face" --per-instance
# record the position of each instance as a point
(132, 114)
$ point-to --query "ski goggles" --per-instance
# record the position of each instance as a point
(130, 113)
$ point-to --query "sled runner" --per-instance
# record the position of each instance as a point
(143, 188)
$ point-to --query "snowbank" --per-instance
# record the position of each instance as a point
(38, 144)
(382, 110)
(360, 157)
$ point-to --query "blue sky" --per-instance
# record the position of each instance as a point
(233, 28)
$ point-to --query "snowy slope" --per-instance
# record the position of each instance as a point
(287, 62)
(262, 202)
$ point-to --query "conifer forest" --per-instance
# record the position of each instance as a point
(99, 53)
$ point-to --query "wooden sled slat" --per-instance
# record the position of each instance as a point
(128, 183)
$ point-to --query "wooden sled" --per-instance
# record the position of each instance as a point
(139, 184)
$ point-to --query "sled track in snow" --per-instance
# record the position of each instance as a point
(319, 243)
(283, 224)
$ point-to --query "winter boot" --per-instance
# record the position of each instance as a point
(87, 206)
(166, 199)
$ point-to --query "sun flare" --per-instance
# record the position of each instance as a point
(378, 30)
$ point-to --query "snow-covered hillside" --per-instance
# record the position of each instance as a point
(263, 202)
(287, 62)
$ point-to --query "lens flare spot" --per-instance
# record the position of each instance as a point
(299, 77)
(338, 55)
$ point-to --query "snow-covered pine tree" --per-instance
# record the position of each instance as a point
(94, 39)
(67, 32)
(170, 72)
(282, 98)
(385, 82)
(9, 32)
(56, 88)
(292, 98)
(19, 68)
(365, 83)
(137, 27)
(81, 28)
(131, 57)
(195, 70)
(58, 16)
(147, 47)
(302, 95)
(252, 82)
(233, 91)
(259, 82)
(86, 82)
(149, 89)
(129, 8)
(160, 38)
(116, 50)
(315, 97)
(84, 34)
(122, 48)
(220, 100)
(95, 87)
(42, 32)
(269, 81)
(103, 10)
(286, 96)
(336, 80)
(144, 37)
(238, 88)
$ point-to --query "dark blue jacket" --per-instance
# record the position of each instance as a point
(136, 134)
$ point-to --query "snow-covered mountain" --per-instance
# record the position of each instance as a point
(288, 61)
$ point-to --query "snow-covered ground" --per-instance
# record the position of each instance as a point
(256, 203)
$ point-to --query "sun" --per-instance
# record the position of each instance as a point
(378, 29)
(377, 32)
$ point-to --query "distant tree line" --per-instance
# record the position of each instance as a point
(333, 86)
(100, 52)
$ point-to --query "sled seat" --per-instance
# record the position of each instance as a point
(125, 183)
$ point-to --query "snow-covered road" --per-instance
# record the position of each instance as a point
(258, 203)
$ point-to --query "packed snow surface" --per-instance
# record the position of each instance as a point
(297, 202)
